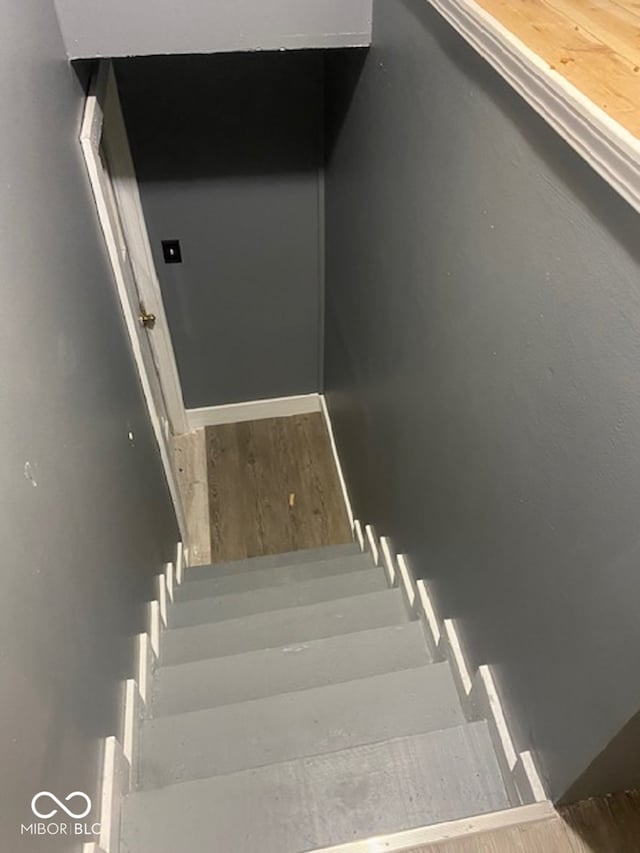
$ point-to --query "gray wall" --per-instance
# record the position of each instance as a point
(482, 367)
(91, 522)
(120, 28)
(228, 153)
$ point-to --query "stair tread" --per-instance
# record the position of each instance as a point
(298, 666)
(272, 576)
(288, 558)
(315, 802)
(291, 725)
(234, 605)
(280, 627)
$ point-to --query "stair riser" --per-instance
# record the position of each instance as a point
(310, 722)
(279, 576)
(224, 607)
(299, 666)
(279, 628)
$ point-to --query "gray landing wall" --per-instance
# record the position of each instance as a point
(482, 369)
(228, 153)
(121, 28)
(85, 520)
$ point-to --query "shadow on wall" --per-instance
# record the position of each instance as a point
(198, 117)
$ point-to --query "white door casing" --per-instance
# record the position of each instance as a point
(102, 101)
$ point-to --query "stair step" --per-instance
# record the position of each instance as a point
(274, 576)
(323, 800)
(232, 606)
(299, 666)
(292, 725)
(270, 561)
(282, 627)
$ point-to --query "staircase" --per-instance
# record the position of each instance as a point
(296, 707)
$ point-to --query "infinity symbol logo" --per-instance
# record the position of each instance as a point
(64, 808)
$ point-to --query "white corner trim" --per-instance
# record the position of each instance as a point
(429, 612)
(406, 579)
(609, 148)
(336, 458)
(410, 838)
(115, 775)
(180, 562)
(493, 706)
(358, 535)
(372, 543)
(457, 657)
(169, 579)
(388, 559)
(253, 410)
(527, 779)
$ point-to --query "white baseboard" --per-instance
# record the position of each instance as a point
(169, 575)
(336, 459)
(455, 655)
(427, 612)
(253, 410)
(440, 832)
(161, 590)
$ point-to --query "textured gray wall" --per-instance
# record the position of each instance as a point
(228, 153)
(120, 28)
(483, 352)
(91, 522)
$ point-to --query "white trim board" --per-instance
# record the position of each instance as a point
(336, 460)
(90, 140)
(611, 150)
(461, 828)
(253, 410)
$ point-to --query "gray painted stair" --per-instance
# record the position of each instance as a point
(328, 799)
(297, 666)
(271, 561)
(280, 627)
(292, 725)
(278, 576)
(216, 609)
(296, 706)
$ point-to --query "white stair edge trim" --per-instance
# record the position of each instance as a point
(611, 150)
(527, 778)
(336, 459)
(372, 543)
(161, 588)
(406, 578)
(115, 777)
(459, 659)
(445, 831)
(476, 691)
(181, 556)
(428, 612)
(388, 560)
(253, 410)
(487, 684)
(169, 575)
(155, 627)
(358, 535)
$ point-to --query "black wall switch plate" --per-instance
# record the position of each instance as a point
(171, 252)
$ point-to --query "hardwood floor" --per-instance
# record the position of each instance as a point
(594, 44)
(191, 473)
(273, 487)
(603, 825)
